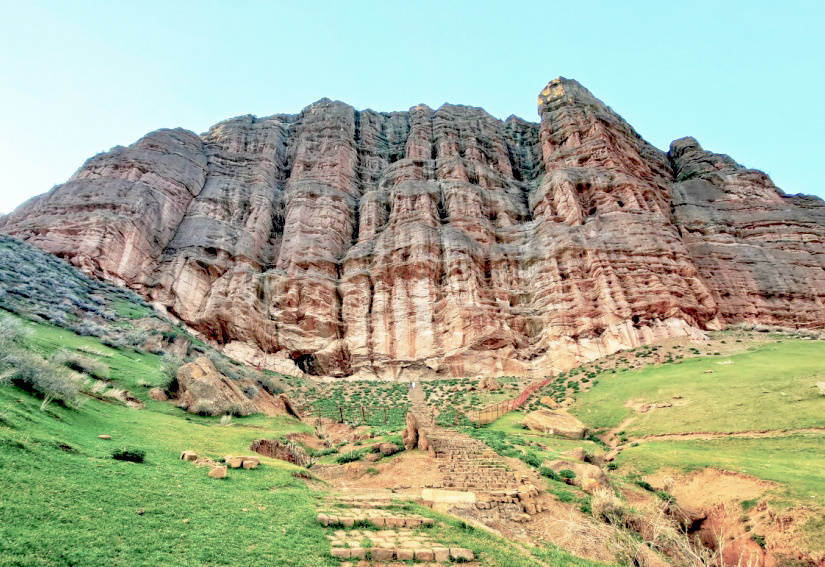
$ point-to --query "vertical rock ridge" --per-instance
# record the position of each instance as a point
(393, 245)
(760, 251)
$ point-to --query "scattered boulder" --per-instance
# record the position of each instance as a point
(233, 462)
(549, 402)
(217, 472)
(588, 477)
(489, 384)
(387, 449)
(124, 397)
(158, 395)
(188, 456)
(555, 422)
(410, 434)
(104, 436)
(589, 484)
(202, 389)
(242, 461)
(821, 387)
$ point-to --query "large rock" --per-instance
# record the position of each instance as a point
(202, 389)
(342, 242)
(555, 422)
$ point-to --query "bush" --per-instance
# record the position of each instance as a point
(549, 473)
(250, 392)
(349, 457)
(759, 539)
(323, 452)
(531, 459)
(129, 454)
(567, 474)
(83, 364)
(606, 506)
(271, 385)
(33, 373)
(169, 365)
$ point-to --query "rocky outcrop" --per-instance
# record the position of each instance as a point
(202, 389)
(396, 245)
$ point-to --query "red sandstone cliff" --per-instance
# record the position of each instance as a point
(437, 240)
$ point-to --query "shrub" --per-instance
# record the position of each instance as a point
(250, 392)
(226, 367)
(169, 365)
(323, 452)
(83, 364)
(567, 474)
(549, 473)
(33, 373)
(349, 457)
(748, 504)
(759, 539)
(666, 496)
(606, 506)
(531, 459)
(129, 454)
(271, 385)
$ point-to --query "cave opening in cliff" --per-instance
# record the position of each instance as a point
(307, 363)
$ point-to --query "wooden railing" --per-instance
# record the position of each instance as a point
(492, 412)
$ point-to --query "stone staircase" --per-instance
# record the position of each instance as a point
(363, 533)
(468, 465)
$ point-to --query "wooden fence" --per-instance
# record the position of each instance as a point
(492, 412)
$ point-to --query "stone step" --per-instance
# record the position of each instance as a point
(349, 519)
(393, 545)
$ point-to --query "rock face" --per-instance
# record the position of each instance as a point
(342, 242)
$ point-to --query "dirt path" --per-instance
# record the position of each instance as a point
(611, 438)
(710, 435)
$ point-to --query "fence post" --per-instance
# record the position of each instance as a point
(385, 415)
(363, 418)
(340, 415)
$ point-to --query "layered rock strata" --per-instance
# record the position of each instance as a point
(341, 242)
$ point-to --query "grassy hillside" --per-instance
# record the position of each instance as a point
(757, 411)
(64, 499)
(772, 386)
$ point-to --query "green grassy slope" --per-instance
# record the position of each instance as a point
(770, 387)
(65, 501)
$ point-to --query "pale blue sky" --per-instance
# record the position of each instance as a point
(745, 78)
